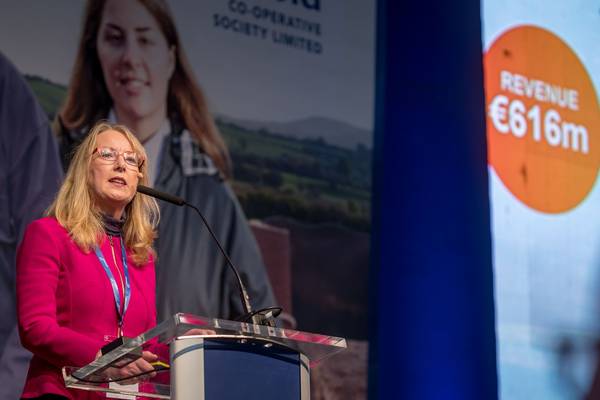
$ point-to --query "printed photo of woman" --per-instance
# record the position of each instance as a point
(131, 69)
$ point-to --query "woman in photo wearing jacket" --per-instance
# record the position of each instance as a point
(131, 69)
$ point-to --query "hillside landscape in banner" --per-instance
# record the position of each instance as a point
(314, 170)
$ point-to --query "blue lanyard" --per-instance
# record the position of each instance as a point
(113, 282)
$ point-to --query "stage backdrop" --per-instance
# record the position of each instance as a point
(542, 74)
(291, 85)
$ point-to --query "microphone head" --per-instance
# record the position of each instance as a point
(160, 195)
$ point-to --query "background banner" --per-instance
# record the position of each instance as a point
(290, 85)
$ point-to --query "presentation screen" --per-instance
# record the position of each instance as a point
(542, 74)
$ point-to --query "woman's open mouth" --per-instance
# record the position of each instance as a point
(118, 181)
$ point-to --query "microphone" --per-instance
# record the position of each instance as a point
(260, 317)
(169, 198)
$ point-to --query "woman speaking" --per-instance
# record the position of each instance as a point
(85, 273)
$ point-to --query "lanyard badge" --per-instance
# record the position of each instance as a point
(127, 288)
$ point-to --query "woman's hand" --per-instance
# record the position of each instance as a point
(139, 366)
(200, 332)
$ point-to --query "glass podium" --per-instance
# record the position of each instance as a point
(209, 358)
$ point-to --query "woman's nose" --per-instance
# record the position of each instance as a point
(120, 162)
(131, 52)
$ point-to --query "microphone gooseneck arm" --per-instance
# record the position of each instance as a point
(181, 202)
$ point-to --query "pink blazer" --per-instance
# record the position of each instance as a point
(66, 306)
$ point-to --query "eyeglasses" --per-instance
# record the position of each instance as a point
(109, 154)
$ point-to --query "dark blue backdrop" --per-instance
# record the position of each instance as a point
(432, 307)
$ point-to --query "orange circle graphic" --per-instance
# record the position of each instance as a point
(542, 119)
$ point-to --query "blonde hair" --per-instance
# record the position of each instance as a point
(76, 211)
